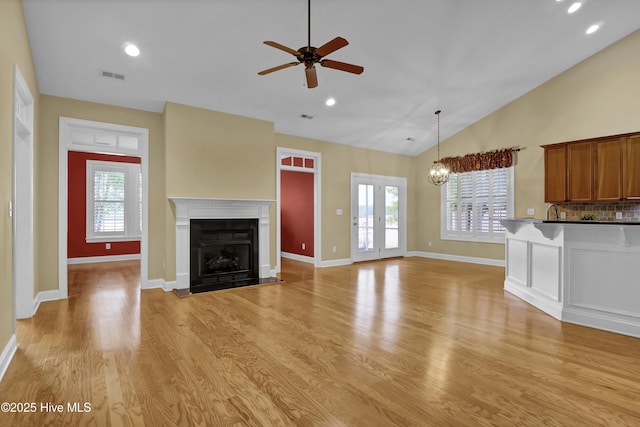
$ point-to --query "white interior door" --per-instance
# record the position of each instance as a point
(378, 213)
(22, 209)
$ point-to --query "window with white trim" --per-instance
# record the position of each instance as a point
(473, 203)
(114, 201)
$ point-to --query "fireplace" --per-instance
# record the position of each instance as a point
(192, 210)
(224, 254)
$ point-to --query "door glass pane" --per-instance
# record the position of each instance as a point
(365, 217)
(391, 217)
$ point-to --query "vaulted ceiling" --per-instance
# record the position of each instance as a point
(466, 57)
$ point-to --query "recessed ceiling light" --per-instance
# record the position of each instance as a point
(592, 29)
(330, 102)
(132, 50)
(574, 7)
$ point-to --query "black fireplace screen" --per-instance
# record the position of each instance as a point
(224, 253)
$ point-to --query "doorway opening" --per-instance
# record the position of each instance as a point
(298, 206)
(21, 209)
(86, 136)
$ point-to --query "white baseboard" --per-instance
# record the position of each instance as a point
(459, 258)
(45, 296)
(109, 258)
(153, 284)
(336, 262)
(159, 284)
(169, 286)
(611, 322)
(296, 257)
(7, 354)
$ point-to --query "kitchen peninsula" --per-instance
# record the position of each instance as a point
(583, 272)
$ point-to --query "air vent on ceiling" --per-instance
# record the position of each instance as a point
(306, 116)
(112, 75)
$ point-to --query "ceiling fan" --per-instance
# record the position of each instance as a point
(309, 56)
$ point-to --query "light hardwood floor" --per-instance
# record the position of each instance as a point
(400, 342)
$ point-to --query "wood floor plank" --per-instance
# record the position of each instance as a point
(407, 341)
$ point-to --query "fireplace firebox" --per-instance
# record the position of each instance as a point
(224, 254)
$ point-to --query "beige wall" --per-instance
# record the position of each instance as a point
(216, 155)
(51, 109)
(14, 49)
(338, 161)
(597, 97)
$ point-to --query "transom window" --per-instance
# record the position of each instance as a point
(114, 201)
(473, 203)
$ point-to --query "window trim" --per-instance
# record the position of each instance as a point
(475, 236)
(132, 231)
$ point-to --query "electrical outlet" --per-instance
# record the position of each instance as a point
(430, 243)
(107, 246)
(304, 246)
(334, 249)
(618, 215)
(338, 211)
(531, 211)
(563, 215)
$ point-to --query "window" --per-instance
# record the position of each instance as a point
(114, 201)
(473, 203)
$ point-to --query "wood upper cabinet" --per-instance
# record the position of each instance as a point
(580, 171)
(597, 169)
(631, 167)
(555, 173)
(608, 169)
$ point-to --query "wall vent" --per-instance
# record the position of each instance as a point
(112, 75)
(306, 116)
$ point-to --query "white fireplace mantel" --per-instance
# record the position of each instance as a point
(201, 208)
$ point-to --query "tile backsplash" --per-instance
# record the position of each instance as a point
(602, 211)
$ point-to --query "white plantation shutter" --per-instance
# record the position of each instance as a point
(473, 203)
(114, 201)
(108, 201)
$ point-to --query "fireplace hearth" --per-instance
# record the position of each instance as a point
(224, 254)
(188, 209)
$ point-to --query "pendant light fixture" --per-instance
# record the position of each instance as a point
(438, 172)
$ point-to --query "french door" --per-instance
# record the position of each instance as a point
(378, 214)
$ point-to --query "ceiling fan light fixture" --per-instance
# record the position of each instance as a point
(438, 173)
(310, 55)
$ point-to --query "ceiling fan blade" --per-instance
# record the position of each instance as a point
(342, 66)
(312, 77)
(331, 46)
(282, 47)
(279, 67)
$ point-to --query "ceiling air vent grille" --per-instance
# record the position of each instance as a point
(112, 75)
(306, 116)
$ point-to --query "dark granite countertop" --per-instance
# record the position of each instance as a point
(564, 221)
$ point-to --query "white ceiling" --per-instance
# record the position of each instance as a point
(466, 57)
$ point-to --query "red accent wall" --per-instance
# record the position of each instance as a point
(77, 246)
(296, 212)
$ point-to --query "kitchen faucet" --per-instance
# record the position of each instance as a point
(555, 208)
